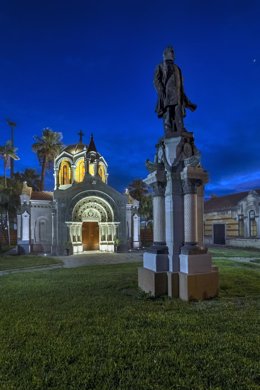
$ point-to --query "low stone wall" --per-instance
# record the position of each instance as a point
(237, 242)
(244, 242)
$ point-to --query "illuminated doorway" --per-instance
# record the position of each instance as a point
(90, 236)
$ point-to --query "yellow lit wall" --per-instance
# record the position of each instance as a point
(101, 172)
(80, 171)
(91, 169)
(65, 173)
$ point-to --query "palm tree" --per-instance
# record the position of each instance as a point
(47, 147)
(6, 152)
(138, 189)
(31, 176)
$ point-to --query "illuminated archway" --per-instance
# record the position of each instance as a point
(65, 173)
(101, 173)
(80, 170)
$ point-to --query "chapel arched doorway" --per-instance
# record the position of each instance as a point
(90, 236)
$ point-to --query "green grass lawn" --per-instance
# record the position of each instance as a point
(17, 262)
(90, 328)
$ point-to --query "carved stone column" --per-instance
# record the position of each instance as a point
(198, 279)
(159, 215)
(200, 215)
(136, 231)
(152, 277)
(190, 212)
(56, 179)
(73, 173)
(53, 243)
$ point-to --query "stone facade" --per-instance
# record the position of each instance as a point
(83, 213)
(233, 220)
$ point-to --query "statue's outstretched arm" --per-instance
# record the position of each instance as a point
(188, 104)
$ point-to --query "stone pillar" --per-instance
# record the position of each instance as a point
(198, 279)
(25, 232)
(173, 210)
(136, 231)
(200, 215)
(190, 213)
(73, 173)
(86, 166)
(152, 277)
(129, 224)
(53, 246)
(158, 216)
(174, 205)
(56, 180)
(18, 227)
(95, 164)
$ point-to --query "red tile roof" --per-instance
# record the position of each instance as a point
(217, 203)
(42, 195)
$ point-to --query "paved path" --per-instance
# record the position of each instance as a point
(85, 259)
(99, 258)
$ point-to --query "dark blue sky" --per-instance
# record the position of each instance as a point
(89, 65)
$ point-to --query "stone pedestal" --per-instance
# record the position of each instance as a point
(173, 284)
(154, 283)
(178, 263)
(198, 286)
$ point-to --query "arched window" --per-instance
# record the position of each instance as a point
(241, 229)
(91, 169)
(80, 171)
(101, 172)
(252, 224)
(42, 230)
(65, 173)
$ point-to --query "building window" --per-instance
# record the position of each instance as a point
(80, 171)
(65, 173)
(241, 230)
(91, 169)
(42, 231)
(101, 172)
(252, 224)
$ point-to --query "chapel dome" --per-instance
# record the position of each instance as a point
(78, 160)
(75, 148)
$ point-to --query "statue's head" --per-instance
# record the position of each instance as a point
(168, 54)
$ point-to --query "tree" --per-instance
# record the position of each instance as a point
(47, 147)
(138, 189)
(31, 177)
(10, 189)
(146, 207)
(6, 152)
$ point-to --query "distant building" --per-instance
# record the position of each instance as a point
(83, 213)
(233, 219)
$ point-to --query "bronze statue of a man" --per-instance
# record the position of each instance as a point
(172, 100)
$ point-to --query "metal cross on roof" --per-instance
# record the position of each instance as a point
(80, 136)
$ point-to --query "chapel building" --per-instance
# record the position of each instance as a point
(82, 213)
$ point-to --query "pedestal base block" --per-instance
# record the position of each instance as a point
(198, 286)
(173, 284)
(23, 248)
(195, 264)
(156, 262)
(154, 283)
